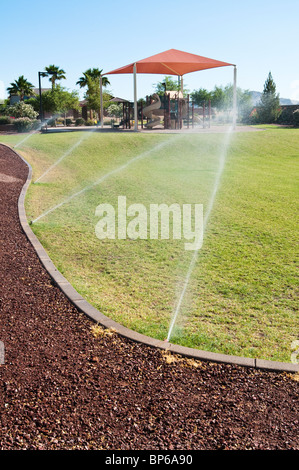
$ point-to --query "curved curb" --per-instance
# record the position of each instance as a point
(106, 322)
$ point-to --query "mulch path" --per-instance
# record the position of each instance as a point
(63, 388)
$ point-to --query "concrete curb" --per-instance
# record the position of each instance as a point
(106, 322)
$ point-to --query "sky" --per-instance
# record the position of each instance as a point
(259, 36)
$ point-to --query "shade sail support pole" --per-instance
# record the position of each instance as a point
(235, 98)
(101, 101)
(135, 98)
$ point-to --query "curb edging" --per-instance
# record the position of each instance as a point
(95, 315)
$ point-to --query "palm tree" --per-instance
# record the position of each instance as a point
(93, 74)
(91, 80)
(21, 87)
(55, 74)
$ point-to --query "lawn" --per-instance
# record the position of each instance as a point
(242, 294)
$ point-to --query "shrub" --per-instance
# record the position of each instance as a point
(286, 116)
(22, 110)
(52, 122)
(5, 120)
(25, 124)
(90, 122)
(68, 122)
(296, 117)
(80, 122)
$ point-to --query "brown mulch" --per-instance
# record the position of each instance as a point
(63, 388)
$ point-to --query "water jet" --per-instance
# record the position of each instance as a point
(66, 154)
(107, 175)
(222, 159)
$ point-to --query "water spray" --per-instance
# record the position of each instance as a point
(32, 133)
(104, 177)
(206, 218)
(66, 154)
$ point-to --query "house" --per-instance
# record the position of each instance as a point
(13, 99)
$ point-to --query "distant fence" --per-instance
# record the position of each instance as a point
(287, 114)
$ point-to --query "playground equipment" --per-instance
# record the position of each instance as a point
(153, 112)
(171, 62)
(171, 110)
(174, 111)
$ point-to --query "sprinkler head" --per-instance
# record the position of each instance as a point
(165, 340)
(30, 223)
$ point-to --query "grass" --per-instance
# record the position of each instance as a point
(242, 296)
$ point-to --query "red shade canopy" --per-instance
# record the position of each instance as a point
(171, 62)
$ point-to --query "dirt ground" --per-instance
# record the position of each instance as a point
(63, 388)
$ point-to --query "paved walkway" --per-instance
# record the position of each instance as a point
(157, 130)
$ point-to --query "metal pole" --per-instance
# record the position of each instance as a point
(235, 98)
(181, 103)
(192, 114)
(40, 97)
(101, 97)
(135, 99)
(188, 112)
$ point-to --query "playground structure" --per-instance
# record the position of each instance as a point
(171, 62)
(169, 111)
(174, 111)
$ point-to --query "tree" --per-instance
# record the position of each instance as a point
(200, 96)
(244, 104)
(93, 95)
(55, 73)
(93, 74)
(115, 110)
(225, 101)
(91, 80)
(269, 108)
(218, 98)
(21, 87)
(59, 100)
(222, 99)
(168, 84)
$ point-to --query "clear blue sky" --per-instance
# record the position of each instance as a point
(258, 36)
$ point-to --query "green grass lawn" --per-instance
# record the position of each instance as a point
(242, 295)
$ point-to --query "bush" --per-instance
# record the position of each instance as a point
(286, 116)
(5, 120)
(52, 122)
(296, 117)
(253, 117)
(80, 122)
(90, 122)
(25, 124)
(289, 115)
(68, 122)
(22, 110)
